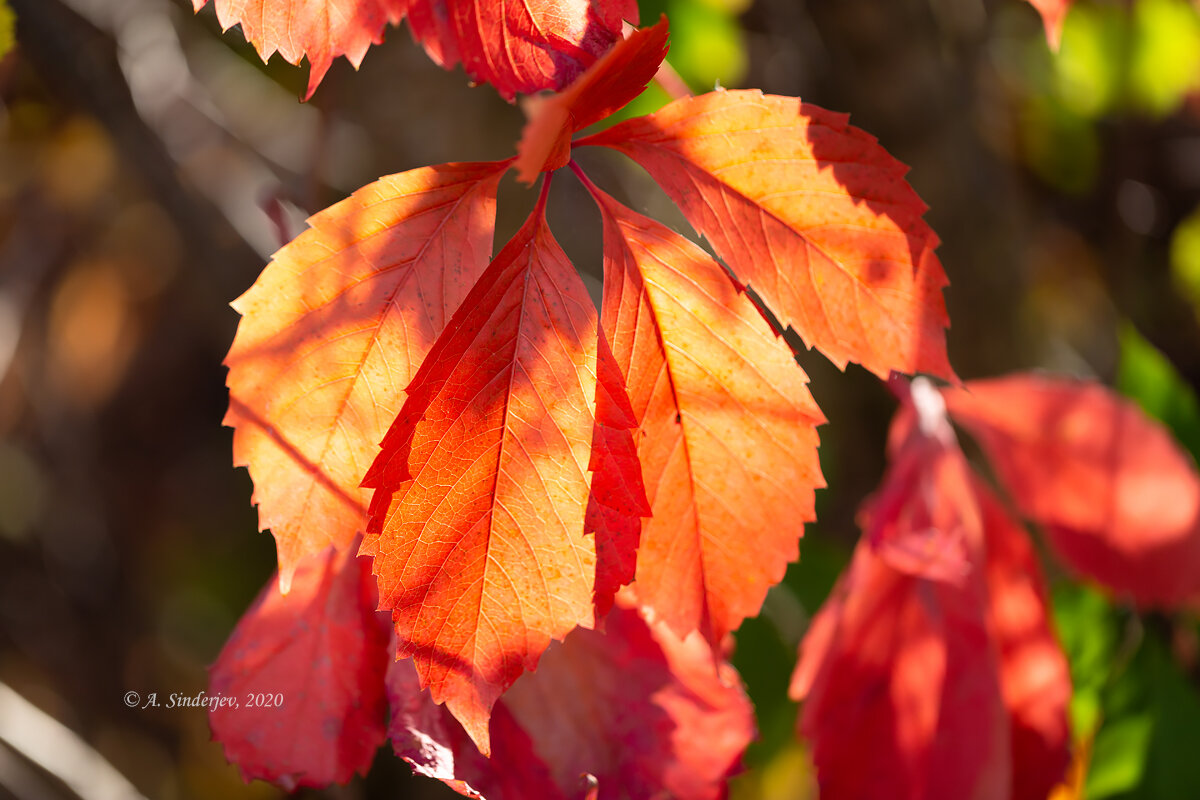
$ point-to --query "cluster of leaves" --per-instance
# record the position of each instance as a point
(470, 472)
(935, 651)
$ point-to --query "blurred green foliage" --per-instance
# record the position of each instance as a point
(1146, 376)
(1140, 58)
(8, 25)
(1185, 258)
(1134, 712)
(708, 48)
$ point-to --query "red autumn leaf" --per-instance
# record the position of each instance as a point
(618, 77)
(516, 47)
(1054, 13)
(1118, 498)
(900, 663)
(727, 429)
(332, 332)
(900, 667)
(648, 713)
(477, 522)
(316, 657)
(810, 212)
(924, 515)
(618, 499)
(640, 711)
(1034, 676)
(319, 29)
(519, 47)
(430, 739)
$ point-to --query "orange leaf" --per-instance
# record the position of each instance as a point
(727, 429)
(319, 29)
(331, 334)
(810, 212)
(306, 670)
(1118, 498)
(477, 524)
(618, 77)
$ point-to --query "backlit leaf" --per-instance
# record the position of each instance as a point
(640, 711)
(810, 212)
(648, 713)
(618, 499)
(1117, 496)
(726, 427)
(319, 29)
(431, 740)
(316, 659)
(519, 47)
(900, 662)
(900, 667)
(332, 332)
(477, 522)
(1034, 676)
(609, 84)
(516, 47)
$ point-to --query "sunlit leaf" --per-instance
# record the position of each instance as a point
(810, 212)
(331, 334)
(726, 427)
(302, 677)
(477, 521)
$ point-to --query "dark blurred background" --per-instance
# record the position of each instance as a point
(149, 165)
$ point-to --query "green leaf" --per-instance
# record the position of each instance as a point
(8, 28)
(1185, 258)
(1148, 378)
(1087, 627)
(1146, 748)
(1165, 62)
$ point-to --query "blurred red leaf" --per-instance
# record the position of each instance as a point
(319, 29)
(323, 651)
(1054, 13)
(1034, 676)
(924, 515)
(642, 712)
(477, 522)
(900, 667)
(518, 47)
(954, 682)
(810, 212)
(332, 332)
(726, 427)
(1117, 496)
(618, 77)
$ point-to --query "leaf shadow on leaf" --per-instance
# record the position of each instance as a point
(887, 194)
(318, 474)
